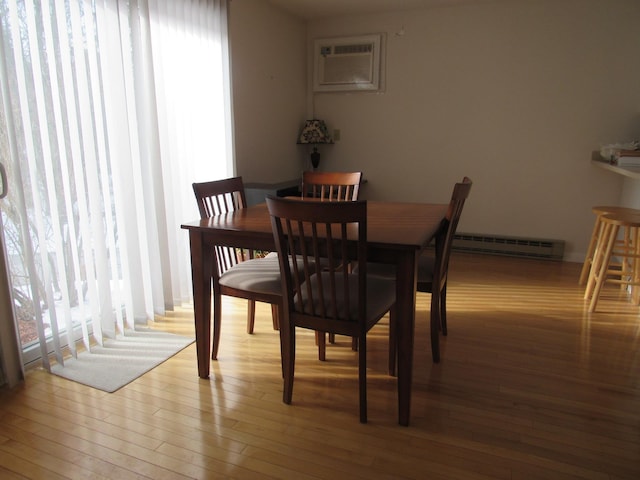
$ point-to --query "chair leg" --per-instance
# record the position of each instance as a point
(276, 309)
(217, 315)
(332, 339)
(443, 310)
(362, 377)
(393, 343)
(435, 326)
(288, 352)
(275, 317)
(251, 316)
(321, 341)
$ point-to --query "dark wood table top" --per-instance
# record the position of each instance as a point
(389, 224)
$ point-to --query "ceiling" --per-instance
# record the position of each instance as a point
(311, 9)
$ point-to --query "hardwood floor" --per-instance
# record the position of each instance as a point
(530, 386)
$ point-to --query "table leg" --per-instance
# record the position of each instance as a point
(201, 268)
(405, 311)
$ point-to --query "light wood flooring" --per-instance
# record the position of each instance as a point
(530, 386)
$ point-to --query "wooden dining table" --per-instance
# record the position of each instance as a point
(397, 233)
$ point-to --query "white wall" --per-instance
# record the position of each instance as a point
(268, 68)
(515, 94)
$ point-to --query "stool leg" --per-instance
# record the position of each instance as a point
(588, 260)
(635, 278)
(602, 264)
(628, 263)
(596, 259)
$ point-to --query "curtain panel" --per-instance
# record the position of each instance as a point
(110, 110)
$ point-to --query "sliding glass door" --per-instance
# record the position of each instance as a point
(110, 110)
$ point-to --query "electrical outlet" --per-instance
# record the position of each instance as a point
(336, 135)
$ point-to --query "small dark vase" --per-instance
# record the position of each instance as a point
(315, 158)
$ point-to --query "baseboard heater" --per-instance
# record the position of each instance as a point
(509, 246)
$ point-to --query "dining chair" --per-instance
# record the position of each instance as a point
(432, 274)
(333, 299)
(330, 187)
(236, 272)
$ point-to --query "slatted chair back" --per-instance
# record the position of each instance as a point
(331, 186)
(444, 241)
(219, 197)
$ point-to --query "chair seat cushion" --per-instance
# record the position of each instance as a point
(260, 275)
(381, 295)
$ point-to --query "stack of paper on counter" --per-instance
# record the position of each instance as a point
(627, 158)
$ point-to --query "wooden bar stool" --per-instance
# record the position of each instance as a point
(597, 231)
(608, 248)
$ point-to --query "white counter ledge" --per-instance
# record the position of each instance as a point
(631, 172)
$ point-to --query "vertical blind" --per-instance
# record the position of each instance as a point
(110, 110)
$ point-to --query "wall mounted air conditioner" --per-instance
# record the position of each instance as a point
(347, 63)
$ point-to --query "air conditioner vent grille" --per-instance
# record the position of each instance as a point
(342, 49)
